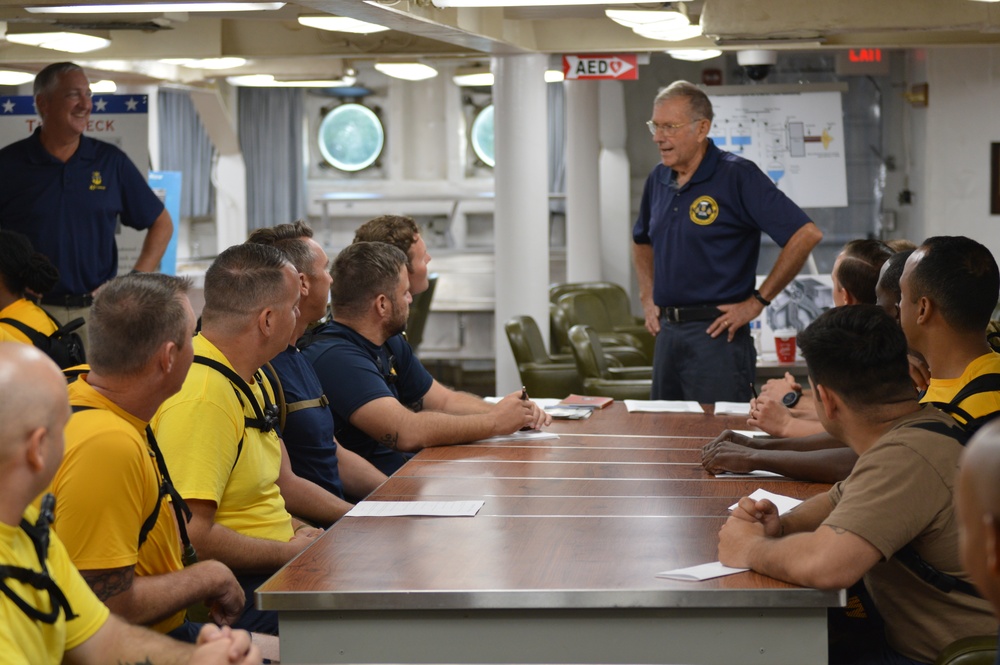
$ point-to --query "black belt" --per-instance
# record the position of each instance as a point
(69, 300)
(685, 314)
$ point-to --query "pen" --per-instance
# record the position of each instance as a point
(524, 397)
(753, 389)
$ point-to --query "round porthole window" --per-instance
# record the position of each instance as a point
(351, 137)
(482, 136)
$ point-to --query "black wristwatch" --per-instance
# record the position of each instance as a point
(791, 398)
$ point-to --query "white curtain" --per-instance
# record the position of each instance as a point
(270, 128)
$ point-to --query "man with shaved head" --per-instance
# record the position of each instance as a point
(978, 503)
(47, 610)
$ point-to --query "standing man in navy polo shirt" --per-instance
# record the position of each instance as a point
(696, 244)
(67, 192)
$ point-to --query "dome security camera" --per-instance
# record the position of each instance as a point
(757, 64)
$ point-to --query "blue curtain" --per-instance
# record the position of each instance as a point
(185, 147)
(270, 130)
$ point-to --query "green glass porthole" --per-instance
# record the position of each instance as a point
(482, 136)
(351, 137)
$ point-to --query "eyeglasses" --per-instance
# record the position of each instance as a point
(668, 129)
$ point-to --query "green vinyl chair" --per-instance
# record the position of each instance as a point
(618, 356)
(586, 308)
(617, 305)
(541, 374)
(598, 376)
(975, 650)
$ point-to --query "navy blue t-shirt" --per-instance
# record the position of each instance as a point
(70, 211)
(706, 235)
(353, 372)
(308, 432)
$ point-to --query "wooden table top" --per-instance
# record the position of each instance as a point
(586, 520)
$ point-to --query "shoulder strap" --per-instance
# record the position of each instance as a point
(909, 557)
(37, 339)
(981, 384)
(952, 431)
(181, 510)
(265, 418)
(284, 408)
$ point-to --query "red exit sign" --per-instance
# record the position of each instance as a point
(863, 62)
(865, 55)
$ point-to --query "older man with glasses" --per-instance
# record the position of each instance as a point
(696, 244)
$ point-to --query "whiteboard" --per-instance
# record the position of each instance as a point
(797, 139)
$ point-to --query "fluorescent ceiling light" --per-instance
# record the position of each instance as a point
(206, 63)
(473, 78)
(409, 71)
(69, 42)
(106, 86)
(525, 3)
(669, 32)
(341, 24)
(694, 54)
(160, 8)
(268, 81)
(554, 76)
(632, 18)
(9, 77)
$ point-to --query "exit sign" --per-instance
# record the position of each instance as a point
(599, 67)
(863, 62)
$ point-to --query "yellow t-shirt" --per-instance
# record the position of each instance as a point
(24, 640)
(199, 429)
(7, 337)
(106, 487)
(944, 390)
(30, 315)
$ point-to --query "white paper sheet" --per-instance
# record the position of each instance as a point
(752, 433)
(426, 508)
(527, 435)
(759, 473)
(782, 502)
(732, 408)
(705, 571)
(662, 406)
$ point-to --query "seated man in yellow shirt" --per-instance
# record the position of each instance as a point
(116, 516)
(217, 434)
(48, 614)
(23, 269)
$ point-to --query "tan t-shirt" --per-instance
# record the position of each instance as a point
(901, 490)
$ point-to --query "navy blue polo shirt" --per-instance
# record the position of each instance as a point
(353, 372)
(308, 432)
(70, 211)
(706, 235)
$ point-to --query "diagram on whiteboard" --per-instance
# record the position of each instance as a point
(796, 139)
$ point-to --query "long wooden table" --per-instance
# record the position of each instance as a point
(560, 564)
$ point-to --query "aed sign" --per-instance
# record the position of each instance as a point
(622, 67)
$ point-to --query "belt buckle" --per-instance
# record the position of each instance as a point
(673, 314)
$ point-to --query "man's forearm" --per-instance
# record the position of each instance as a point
(357, 474)
(791, 259)
(461, 403)
(820, 466)
(244, 554)
(118, 642)
(154, 245)
(307, 500)
(807, 516)
(148, 599)
(642, 257)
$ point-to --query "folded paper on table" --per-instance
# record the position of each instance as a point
(568, 412)
(662, 406)
(782, 503)
(525, 435)
(424, 508)
(705, 571)
(732, 408)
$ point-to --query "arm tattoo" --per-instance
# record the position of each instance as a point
(108, 583)
(417, 406)
(391, 440)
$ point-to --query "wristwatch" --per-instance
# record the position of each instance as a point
(791, 398)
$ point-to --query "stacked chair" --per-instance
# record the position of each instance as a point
(541, 374)
(605, 307)
(599, 376)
